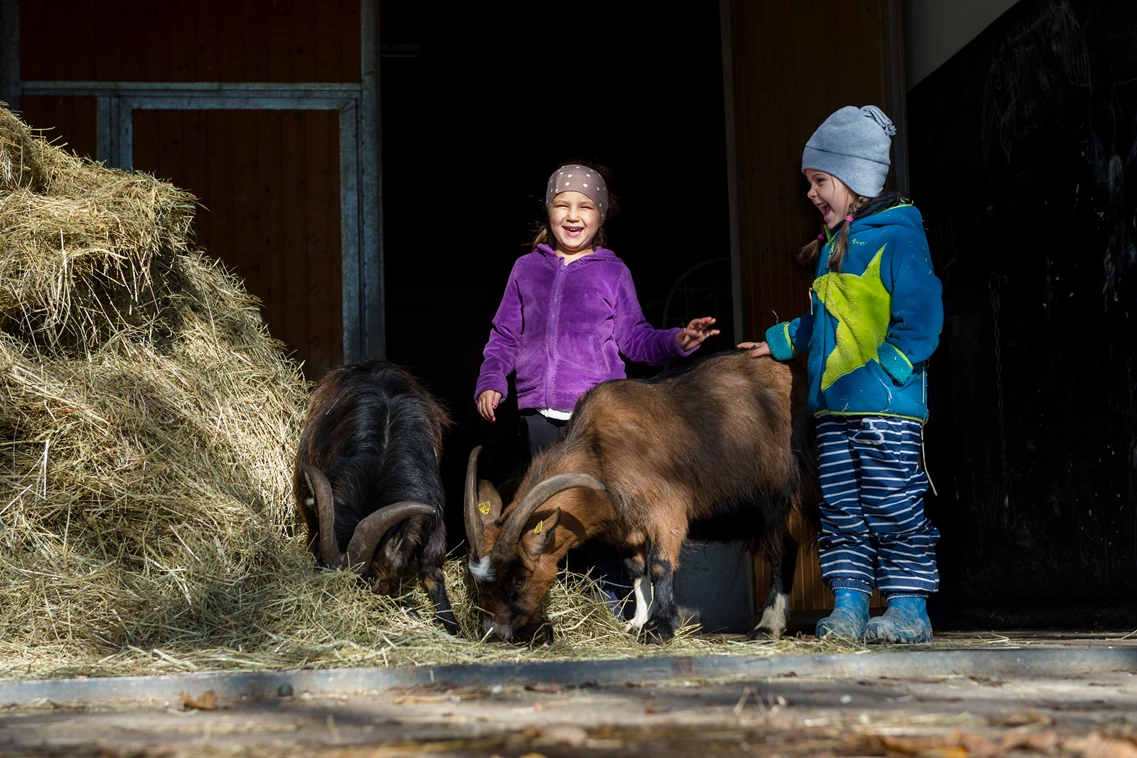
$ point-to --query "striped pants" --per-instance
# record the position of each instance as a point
(873, 529)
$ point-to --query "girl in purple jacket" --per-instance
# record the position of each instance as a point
(568, 314)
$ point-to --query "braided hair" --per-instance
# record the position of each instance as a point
(859, 208)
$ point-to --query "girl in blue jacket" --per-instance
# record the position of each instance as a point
(874, 321)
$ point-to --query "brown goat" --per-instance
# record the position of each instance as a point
(723, 450)
(367, 476)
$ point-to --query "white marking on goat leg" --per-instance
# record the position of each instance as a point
(481, 569)
(774, 617)
(643, 604)
(310, 502)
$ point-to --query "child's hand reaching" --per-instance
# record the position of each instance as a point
(487, 402)
(757, 349)
(695, 332)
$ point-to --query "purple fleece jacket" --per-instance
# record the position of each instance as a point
(563, 328)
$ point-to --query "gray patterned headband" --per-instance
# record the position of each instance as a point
(579, 179)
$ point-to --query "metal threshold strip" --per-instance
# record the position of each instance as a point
(267, 684)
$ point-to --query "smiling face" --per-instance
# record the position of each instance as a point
(574, 220)
(830, 195)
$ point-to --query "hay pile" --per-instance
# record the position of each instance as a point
(147, 424)
(146, 418)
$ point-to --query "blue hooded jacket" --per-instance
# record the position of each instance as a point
(872, 324)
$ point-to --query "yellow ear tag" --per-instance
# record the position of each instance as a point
(537, 529)
(484, 507)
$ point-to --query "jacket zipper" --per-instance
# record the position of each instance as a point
(550, 331)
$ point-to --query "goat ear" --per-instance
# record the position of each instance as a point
(489, 501)
(488, 512)
(539, 539)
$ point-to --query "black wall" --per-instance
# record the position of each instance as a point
(1024, 163)
(490, 99)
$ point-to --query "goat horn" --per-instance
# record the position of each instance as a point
(326, 514)
(473, 523)
(515, 523)
(371, 529)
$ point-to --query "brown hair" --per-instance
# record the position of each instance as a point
(543, 234)
(809, 254)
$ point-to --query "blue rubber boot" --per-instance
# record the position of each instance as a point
(905, 622)
(849, 616)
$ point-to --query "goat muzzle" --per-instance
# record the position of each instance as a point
(495, 632)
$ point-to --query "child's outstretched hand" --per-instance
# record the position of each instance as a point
(757, 349)
(487, 401)
(695, 332)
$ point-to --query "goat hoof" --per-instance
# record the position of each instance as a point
(542, 634)
(659, 632)
(762, 633)
(635, 627)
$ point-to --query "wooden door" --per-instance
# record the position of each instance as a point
(268, 183)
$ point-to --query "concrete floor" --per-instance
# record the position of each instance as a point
(792, 714)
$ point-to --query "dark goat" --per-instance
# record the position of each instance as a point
(723, 449)
(367, 478)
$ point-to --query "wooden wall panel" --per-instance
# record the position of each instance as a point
(66, 120)
(787, 79)
(190, 40)
(268, 182)
(265, 234)
(792, 64)
(294, 230)
(325, 346)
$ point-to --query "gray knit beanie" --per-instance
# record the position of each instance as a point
(852, 145)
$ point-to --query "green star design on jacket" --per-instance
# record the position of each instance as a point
(862, 307)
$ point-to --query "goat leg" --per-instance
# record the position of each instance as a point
(783, 561)
(436, 587)
(636, 567)
(433, 558)
(664, 617)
